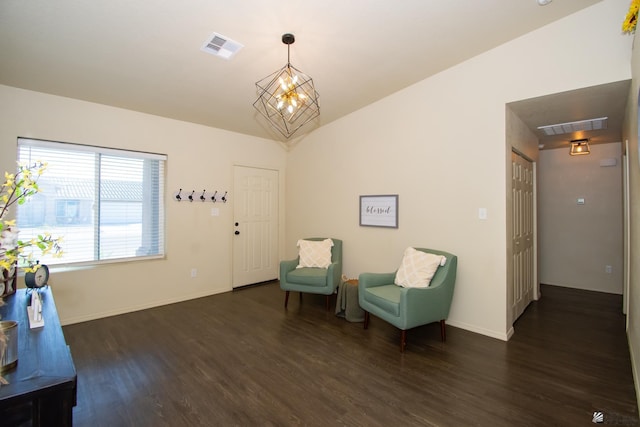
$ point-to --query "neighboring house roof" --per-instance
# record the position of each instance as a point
(73, 188)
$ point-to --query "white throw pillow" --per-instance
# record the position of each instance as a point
(315, 253)
(417, 268)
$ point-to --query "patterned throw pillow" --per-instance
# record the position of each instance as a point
(315, 253)
(417, 268)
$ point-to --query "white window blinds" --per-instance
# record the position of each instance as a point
(106, 204)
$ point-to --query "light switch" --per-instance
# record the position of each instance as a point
(482, 213)
(581, 200)
(215, 212)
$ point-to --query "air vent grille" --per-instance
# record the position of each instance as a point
(570, 127)
(221, 46)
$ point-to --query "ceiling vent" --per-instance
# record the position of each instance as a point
(570, 127)
(221, 46)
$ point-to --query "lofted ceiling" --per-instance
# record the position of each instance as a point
(145, 55)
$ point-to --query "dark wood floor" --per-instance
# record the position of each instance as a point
(240, 359)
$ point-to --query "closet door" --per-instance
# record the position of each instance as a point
(522, 234)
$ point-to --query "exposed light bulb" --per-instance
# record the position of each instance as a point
(288, 98)
(290, 93)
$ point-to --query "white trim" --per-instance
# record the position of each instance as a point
(88, 148)
(634, 369)
(503, 336)
(537, 294)
(627, 234)
(139, 307)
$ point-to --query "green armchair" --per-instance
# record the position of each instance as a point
(312, 280)
(406, 308)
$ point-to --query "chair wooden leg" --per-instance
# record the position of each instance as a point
(366, 319)
(286, 298)
(443, 331)
(328, 302)
(403, 340)
(300, 296)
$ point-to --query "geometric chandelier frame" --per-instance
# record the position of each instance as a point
(287, 97)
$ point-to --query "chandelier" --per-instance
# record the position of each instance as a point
(287, 97)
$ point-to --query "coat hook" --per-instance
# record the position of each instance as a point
(224, 198)
(202, 195)
(213, 198)
(191, 196)
(178, 197)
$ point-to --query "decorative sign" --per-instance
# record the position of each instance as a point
(379, 211)
(34, 311)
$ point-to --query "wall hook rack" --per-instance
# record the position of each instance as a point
(215, 196)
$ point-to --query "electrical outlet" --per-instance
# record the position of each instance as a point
(194, 272)
(608, 269)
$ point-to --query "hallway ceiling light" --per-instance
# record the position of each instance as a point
(570, 127)
(287, 97)
(579, 147)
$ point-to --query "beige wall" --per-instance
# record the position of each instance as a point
(198, 157)
(631, 135)
(440, 144)
(578, 241)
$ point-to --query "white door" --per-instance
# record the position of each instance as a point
(522, 234)
(255, 240)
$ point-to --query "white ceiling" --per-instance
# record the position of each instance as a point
(145, 55)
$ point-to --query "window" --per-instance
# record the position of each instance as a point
(106, 204)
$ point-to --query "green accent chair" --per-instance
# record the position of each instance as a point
(312, 280)
(406, 308)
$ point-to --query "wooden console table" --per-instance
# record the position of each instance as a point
(42, 387)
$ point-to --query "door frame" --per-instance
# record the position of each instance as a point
(280, 214)
(510, 273)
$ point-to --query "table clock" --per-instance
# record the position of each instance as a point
(38, 278)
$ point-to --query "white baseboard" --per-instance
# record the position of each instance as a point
(504, 336)
(129, 309)
(510, 333)
(634, 370)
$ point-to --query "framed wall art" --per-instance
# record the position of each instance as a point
(379, 211)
